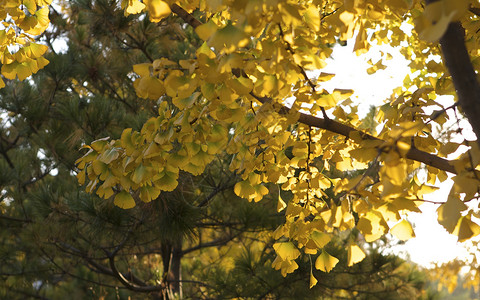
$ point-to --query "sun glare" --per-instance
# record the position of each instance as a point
(433, 244)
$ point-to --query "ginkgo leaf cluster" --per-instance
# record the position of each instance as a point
(22, 21)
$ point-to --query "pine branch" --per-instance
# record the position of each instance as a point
(215, 243)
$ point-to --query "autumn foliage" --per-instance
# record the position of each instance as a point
(253, 91)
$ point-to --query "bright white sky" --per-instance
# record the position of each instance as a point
(432, 243)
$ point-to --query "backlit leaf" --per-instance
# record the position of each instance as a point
(325, 262)
(132, 6)
(313, 280)
(403, 230)
(450, 212)
(312, 17)
(355, 254)
(320, 239)
(286, 250)
(158, 10)
(466, 229)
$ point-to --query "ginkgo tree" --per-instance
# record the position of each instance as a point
(250, 92)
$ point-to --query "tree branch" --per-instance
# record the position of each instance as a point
(130, 285)
(457, 61)
(97, 267)
(12, 219)
(191, 20)
(215, 243)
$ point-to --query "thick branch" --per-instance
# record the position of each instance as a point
(332, 125)
(191, 20)
(345, 130)
(464, 78)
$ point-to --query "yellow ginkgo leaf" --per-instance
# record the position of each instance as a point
(149, 87)
(450, 212)
(285, 266)
(105, 192)
(9, 70)
(81, 177)
(99, 167)
(286, 250)
(206, 30)
(41, 62)
(43, 2)
(244, 189)
(228, 39)
(109, 155)
(448, 148)
(372, 225)
(403, 230)
(325, 262)
(312, 17)
(320, 239)
(465, 184)
(124, 200)
(325, 76)
(402, 203)
(30, 5)
(132, 6)
(42, 16)
(466, 229)
(143, 70)
(149, 193)
(139, 173)
(35, 50)
(100, 144)
(355, 254)
(396, 173)
(158, 10)
(168, 181)
(341, 94)
(186, 102)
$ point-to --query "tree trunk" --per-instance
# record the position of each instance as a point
(171, 260)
